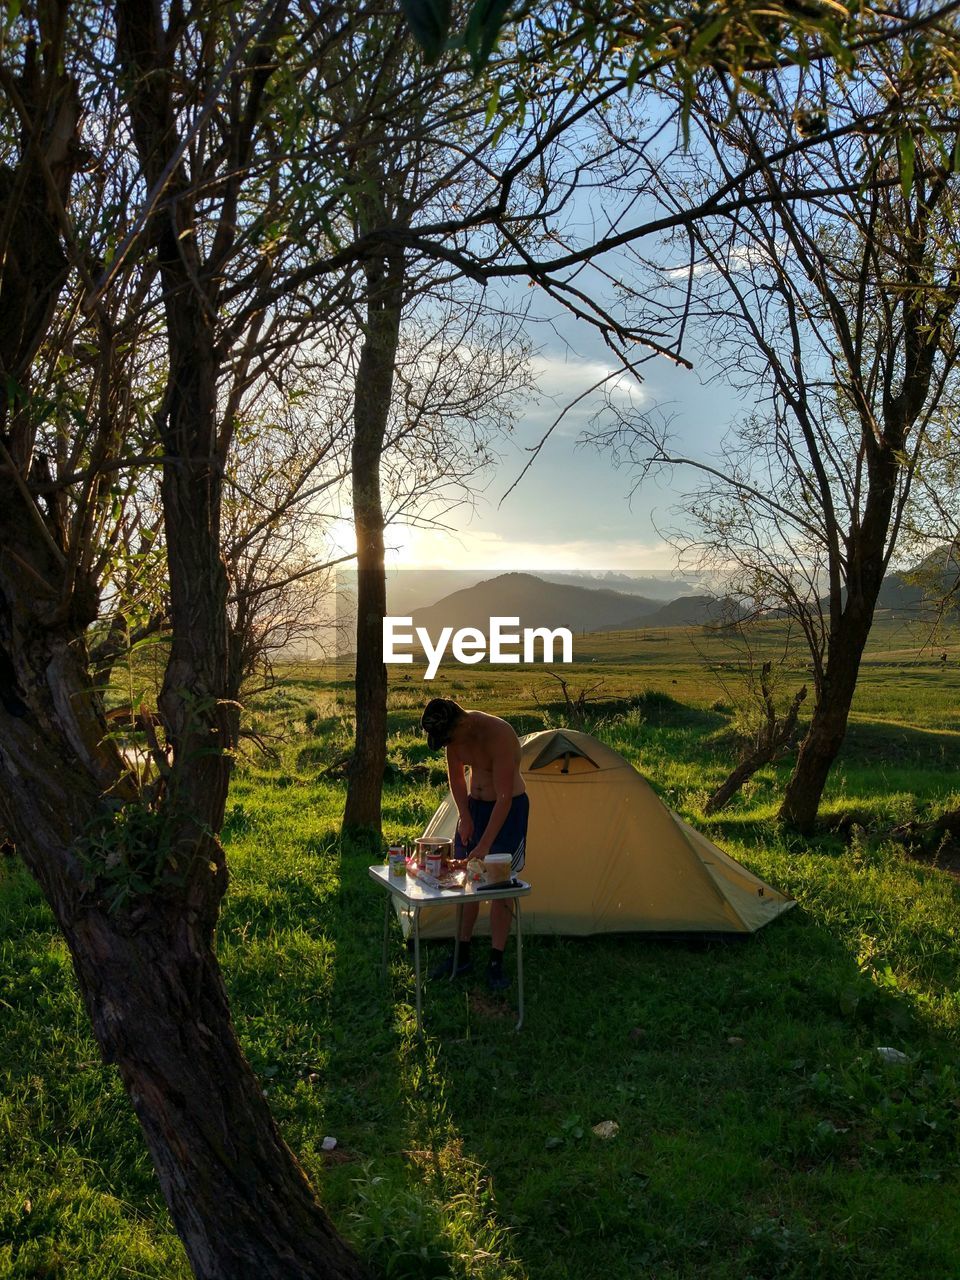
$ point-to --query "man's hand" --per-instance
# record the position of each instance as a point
(465, 827)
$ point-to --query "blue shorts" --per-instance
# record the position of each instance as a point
(512, 836)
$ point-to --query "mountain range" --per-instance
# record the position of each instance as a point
(410, 589)
(541, 603)
(565, 600)
(917, 591)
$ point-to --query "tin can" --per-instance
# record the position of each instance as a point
(434, 864)
(397, 861)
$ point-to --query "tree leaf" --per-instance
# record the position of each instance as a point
(430, 24)
(483, 27)
(493, 105)
(708, 34)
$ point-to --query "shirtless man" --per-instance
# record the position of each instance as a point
(493, 816)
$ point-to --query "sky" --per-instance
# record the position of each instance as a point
(573, 508)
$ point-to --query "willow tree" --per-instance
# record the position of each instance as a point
(142, 184)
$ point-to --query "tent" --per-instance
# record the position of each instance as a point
(604, 854)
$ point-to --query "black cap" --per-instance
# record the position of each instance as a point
(438, 720)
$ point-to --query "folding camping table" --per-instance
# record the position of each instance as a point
(417, 895)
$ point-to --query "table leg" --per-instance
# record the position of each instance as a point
(416, 967)
(386, 937)
(456, 942)
(519, 963)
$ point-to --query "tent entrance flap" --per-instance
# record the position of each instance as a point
(566, 755)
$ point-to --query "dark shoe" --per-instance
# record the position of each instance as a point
(445, 968)
(497, 980)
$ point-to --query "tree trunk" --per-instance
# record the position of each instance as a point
(850, 620)
(239, 1200)
(828, 723)
(374, 388)
(776, 738)
(135, 881)
(146, 969)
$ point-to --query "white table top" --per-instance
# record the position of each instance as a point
(417, 894)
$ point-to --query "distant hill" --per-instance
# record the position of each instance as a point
(410, 589)
(653, 586)
(541, 603)
(900, 596)
(919, 590)
(690, 611)
(916, 592)
(697, 611)
(535, 602)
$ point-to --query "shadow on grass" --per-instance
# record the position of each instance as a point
(759, 1131)
(730, 825)
(882, 742)
(654, 709)
(404, 1190)
(734, 1072)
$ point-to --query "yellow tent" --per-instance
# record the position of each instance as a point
(605, 855)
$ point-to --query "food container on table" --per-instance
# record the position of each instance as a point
(497, 868)
(436, 846)
(396, 860)
(475, 872)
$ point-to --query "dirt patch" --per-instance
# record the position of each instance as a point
(489, 1006)
(946, 858)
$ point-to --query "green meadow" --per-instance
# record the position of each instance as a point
(760, 1133)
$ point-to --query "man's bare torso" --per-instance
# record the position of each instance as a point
(485, 740)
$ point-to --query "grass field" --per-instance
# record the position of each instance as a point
(760, 1132)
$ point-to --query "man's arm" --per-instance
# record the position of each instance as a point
(458, 789)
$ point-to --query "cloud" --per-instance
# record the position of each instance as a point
(740, 257)
(562, 381)
(435, 549)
